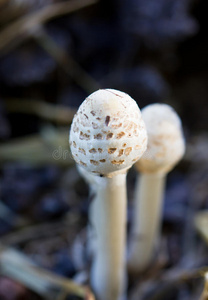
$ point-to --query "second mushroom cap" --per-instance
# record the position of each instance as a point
(166, 144)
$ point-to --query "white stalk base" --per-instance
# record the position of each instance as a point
(107, 273)
(146, 222)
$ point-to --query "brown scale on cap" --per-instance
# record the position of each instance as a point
(82, 151)
(120, 135)
(121, 152)
(111, 150)
(107, 120)
(93, 150)
(109, 135)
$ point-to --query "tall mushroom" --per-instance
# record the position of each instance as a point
(165, 148)
(107, 136)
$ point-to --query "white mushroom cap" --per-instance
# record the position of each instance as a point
(107, 132)
(166, 144)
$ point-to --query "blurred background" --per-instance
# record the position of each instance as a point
(53, 54)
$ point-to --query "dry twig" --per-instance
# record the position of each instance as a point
(17, 31)
(17, 266)
(49, 148)
(11, 217)
(59, 114)
(40, 231)
(66, 62)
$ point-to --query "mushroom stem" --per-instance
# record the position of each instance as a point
(165, 148)
(146, 230)
(107, 274)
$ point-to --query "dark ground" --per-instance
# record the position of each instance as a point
(154, 50)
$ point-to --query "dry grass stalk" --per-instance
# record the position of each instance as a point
(59, 114)
(17, 266)
(17, 31)
(50, 148)
(65, 61)
(201, 223)
(10, 217)
(41, 231)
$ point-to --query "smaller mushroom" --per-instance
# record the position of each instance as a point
(166, 146)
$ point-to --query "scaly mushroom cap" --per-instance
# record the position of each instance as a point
(166, 144)
(107, 132)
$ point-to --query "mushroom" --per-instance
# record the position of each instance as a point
(107, 137)
(165, 148)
